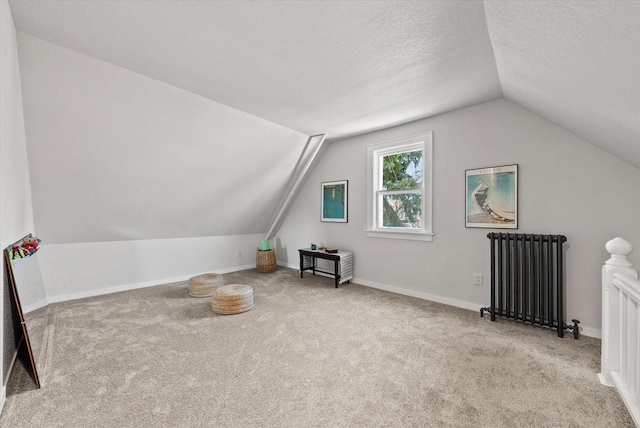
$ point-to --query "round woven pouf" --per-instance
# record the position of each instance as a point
(232, 299)
(203, 285)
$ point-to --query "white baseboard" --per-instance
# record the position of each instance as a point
(605, 380)
(135, 286)
(34, 306)
(584, 329)
(403, 291)
(420, 295)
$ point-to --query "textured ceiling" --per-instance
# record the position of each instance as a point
(344, 68)
(338, 68)
(576, 63)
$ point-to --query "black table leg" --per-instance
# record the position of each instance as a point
(301, 266)
(336, 273)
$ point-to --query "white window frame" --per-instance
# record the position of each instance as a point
(375, 155)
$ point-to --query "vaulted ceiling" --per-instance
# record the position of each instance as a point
(349, 67)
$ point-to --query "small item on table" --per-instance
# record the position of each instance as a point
(313, 246)
(331, 250)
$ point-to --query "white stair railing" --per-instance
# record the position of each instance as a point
(620, 355)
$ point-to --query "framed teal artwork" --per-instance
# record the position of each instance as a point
(335, 201)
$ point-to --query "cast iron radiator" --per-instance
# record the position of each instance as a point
(527, 280)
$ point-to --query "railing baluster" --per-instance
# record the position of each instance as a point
(635, 354)
(620, 355)
(624, 336)
(632, 321)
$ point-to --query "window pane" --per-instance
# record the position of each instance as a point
(402, 210)
(402, 170)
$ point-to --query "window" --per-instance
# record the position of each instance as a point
(399, 185)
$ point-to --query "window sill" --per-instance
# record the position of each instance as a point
(398, 234)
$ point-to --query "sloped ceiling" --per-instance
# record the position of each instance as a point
(576, 63)
(345, 68)
(116, 156)
(339, 68)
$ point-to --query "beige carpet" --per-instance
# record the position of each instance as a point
(308, 355)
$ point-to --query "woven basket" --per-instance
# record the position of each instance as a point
(204, 285)
(265, 260)
(232, 299)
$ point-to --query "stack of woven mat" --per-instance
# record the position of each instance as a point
(232, 299)
(203, 285)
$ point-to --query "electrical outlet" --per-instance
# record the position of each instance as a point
(477, 279)
(239, 253)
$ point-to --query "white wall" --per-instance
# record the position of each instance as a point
(16, 215)
(136, 182)
(15, 209)
(116, 156)
(72, 271)
(29, 284)
(566, 186)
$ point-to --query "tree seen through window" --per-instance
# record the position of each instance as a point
(401, 190)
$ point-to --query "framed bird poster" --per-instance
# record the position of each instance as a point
(492, 197)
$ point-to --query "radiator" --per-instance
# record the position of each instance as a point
(527, 280)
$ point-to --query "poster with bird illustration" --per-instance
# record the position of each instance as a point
(492, 197)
